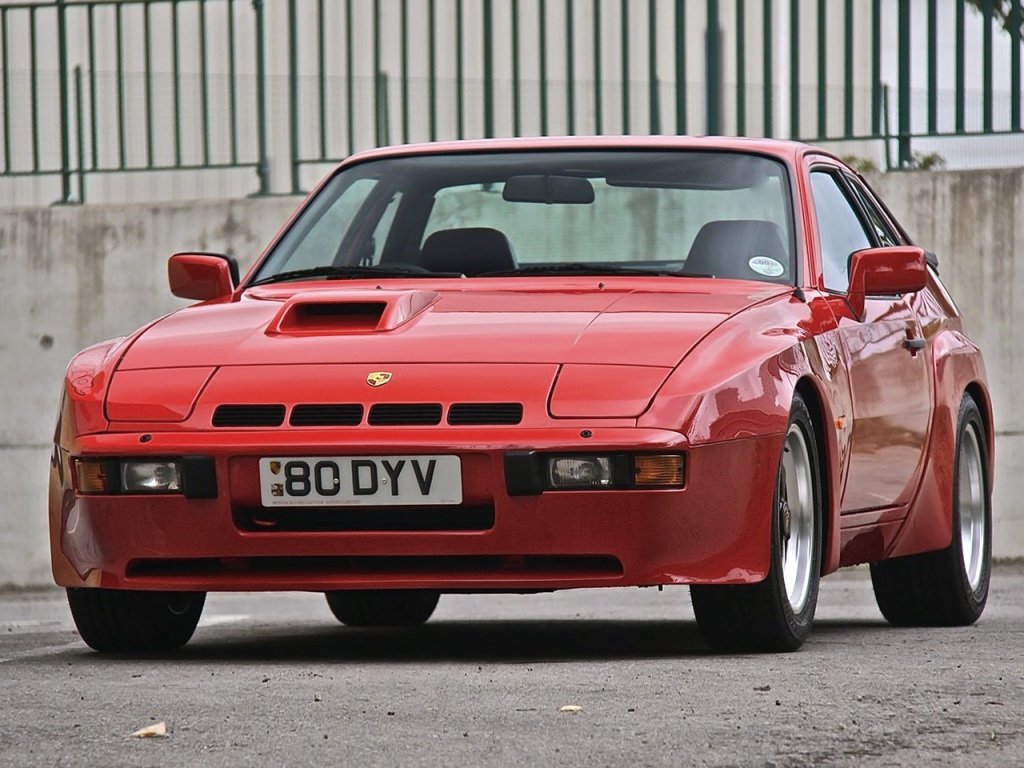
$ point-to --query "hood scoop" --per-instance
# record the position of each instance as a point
(325, 313)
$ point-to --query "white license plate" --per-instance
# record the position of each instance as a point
(360, 481)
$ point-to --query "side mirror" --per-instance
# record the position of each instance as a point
(886, 272)
(202, 276)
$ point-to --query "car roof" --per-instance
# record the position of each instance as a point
(788, 151)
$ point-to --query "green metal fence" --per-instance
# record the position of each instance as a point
(124, 86)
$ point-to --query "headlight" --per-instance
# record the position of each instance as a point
(533, 472)
(580, 472)
(150, 476)
(195, 477)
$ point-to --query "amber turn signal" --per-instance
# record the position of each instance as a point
(94, 476)
(662, 470)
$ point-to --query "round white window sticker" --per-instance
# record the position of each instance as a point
(766, 266)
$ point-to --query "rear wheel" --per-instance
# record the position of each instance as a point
(383, 608)
(126, 621)
(948, 587)
(776, 614)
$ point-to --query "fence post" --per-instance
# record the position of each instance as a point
(62, 55)
(713, 71)
(382, 118)
(80, 133)
(263, 164)
(293, 93)
(905, 158)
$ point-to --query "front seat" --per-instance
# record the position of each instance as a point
(745, 249)
(470, 250)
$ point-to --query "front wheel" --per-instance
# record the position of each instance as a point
(383, 608)
(126, 621)
(776, 614)
(948, 587)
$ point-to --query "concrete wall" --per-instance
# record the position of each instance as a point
(74, 276)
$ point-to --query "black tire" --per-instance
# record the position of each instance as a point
(940, 589)
(773, 615)
(383, 608)
(127, 621)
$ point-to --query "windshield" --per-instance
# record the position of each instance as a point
(504, 214)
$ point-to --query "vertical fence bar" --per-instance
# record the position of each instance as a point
(488, 69)
(6, 75)
(713, 70)
(148, 75)
(176, 74)
(848, 41)
(986, 65)
(405, 71)
(624, 16)
(1016, 18)
(382, 114)
(515, 68)
(876, 67)
(351, 80)
(598, 103)
(65, 137)
(460, 120)
(432, 66)
(960, 83)
(321, 69)
(822, 71)
(93, 128)
(570, 69)
(232, 84)
(886, 132)
(121, 121)
(80, 133)
(933, 68)
(34, 73)
(680, 34)
(204, 94)
(904, 156)
(653, 100)
(378, 92)
(542, 13)
(794, 69)
(293, 94)
(263, 169)
(766, 96)
(741, 67)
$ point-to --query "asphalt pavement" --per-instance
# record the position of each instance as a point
(273, 680)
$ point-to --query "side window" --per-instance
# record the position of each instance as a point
(839, 229)
(878, 223)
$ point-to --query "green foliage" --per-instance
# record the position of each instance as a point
(927, 161)
(860, 164)
(1000, 12)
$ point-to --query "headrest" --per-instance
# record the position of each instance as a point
(746, 249)
(471, 251)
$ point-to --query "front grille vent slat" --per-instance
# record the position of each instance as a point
(248, 416)
(327, 415)
(405, 414)
(465, 414)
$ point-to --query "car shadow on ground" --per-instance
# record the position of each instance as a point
(511, 642)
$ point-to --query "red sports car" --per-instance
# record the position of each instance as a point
(539, 364)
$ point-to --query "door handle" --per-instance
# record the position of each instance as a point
(915, 345)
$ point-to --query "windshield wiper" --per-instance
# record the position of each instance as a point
(579, 268)
(350, 272)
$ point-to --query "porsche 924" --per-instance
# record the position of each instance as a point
(539, 364)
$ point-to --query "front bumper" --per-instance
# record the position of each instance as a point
(715, 529)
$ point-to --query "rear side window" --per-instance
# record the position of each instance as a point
(840, 231)
(883, 232)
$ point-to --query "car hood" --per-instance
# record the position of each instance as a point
(596, 324)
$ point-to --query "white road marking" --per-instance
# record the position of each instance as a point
(228, 618)
(49, 650)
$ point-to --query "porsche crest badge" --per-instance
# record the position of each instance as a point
(378, 378)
